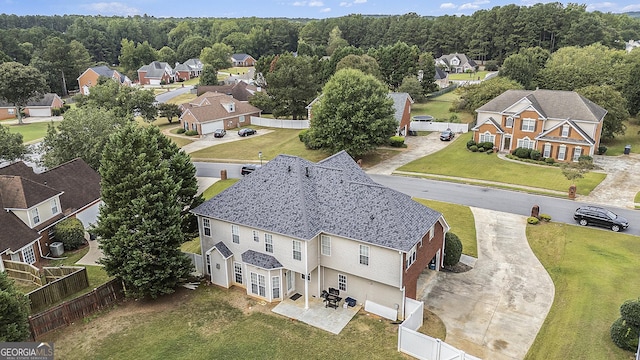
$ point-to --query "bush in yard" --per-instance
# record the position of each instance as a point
(486, 145)
(545, 217)
(602, 149)
(549, 160)
(522, 153)
(490, 151)
(14, 312)
(470, 143)
(491, 65)
(626, 329)
(452, 249)
(535, 155)
(70, 232)
(473, 148)
(533, 220)
(397, 141)
(181, 131)
(191, 132)
(56, 111)
(304, 135)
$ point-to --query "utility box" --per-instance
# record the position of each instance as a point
(627, 149)
(57, 249)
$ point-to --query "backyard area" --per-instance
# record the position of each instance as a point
(438, 107)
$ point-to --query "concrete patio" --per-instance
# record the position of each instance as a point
(317, 315)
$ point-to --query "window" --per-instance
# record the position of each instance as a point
(11, 111)
(206, 227)
(562, 152)
(509, 122)
(325, 245)
(35, 216)
(526, 143)
(297, 250)
(235, 233)
(208, 263)
(528, 125)
(268, 243)
(237, 270)
(576, 153)
(194, 127)
(241, 117)
(431, 232)
(29, 255)
(54, 206)
(342, 282)
(411, 257)
(547, 150)
(487, 137)
(275, 287)
(364, 255)
(565, 130)
(256, 236)
(258, 285)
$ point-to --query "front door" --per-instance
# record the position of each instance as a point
(507, 143)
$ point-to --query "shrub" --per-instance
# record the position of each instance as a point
(533, 220)
(490, 151)
(491, 65)
(473, 148)
(545, 217)
(452, 249)
(303, 135)
(550, 160)
(65, 107)
(191, 132)
(602, 149)
(630, 312)
(396, 141)
(181, 131)
(522, 153)
(624, 335)
(70, 232)
(56, 111)
(535, 155)
(486, 145)
(470, 143)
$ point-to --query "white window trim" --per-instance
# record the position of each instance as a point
(35, 216)
(528, 122)
(237, 271)
(342, 282)
(565, 131)
(325, 245)
(206, 227)
(256, 236)
(562, 152)
(28, 255)
(275, 285)
(509, 122)
(55, 208)
(411, 258)
(364, 255)
(577, 152)
(235, 234)
(297, 250)
(547, 150)
(268, 243)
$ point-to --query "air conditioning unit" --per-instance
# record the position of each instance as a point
(57, 248)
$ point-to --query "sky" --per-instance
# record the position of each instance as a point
(317, 9)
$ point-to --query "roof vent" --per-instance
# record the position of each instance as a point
(372, 217)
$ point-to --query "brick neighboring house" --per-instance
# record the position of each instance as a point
(240, 91)
(560, 124)
(211, 111)
(243, 60)
(31, 204)
(188, 70)
(294, 226)
(155, 73)
(456, 63)
(89, 78)
(41, 107)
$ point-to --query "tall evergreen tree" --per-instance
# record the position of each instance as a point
(140, 221)
(14, 312)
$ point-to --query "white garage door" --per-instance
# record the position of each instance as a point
(154, 81)
(208, 128)
(39, 112)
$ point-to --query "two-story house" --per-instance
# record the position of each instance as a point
(188, 70)
(456, 63)
(294, 226)
(211, 111)
(156, 73)
(242, 60)
(562, 125)
(31, 204)
(89, 78)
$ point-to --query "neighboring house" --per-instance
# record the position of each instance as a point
(188, 70)
(89, 78)
(560, 124)
(441, 78)
(456, 63)
(211, 111)
(41, 107)
(240, 91)
(402, 110)
(243, 60)
(630, 45)
(32, 204)
(156, 73)
(294, 226)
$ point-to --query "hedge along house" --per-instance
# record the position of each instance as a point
(294, 226)
(562, 125)
(32, 204)
(211, 111)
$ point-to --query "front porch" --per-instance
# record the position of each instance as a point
(317, 315)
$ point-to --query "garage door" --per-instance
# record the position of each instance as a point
(154, 81)
(40, 112)
(208, 128)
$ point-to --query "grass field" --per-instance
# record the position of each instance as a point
(438, 107)
(468, 76)
(594, 271)
(456, 160)
(630, 137)
(31, 132)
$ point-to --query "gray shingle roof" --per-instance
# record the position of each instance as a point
(41, 100)
(399, 101)
(263, 261)
(300, 199)
(156, 69)
(223, 249)
(240, 57)
(553, 104)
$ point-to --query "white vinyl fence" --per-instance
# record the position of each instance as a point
(280, 123)
(438, 126)
(422, 346)
(196, 261)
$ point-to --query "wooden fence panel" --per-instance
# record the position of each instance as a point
(78, 308)
(22, 271)
(58, 289)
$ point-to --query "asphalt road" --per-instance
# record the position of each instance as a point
(514, 202)
(166, 96)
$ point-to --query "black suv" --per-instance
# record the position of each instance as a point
(248, 169)
(594, 215)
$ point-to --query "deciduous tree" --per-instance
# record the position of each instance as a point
(169, 111)
(612, 101)
(218, 56)
(11, 146)
(19, 84)
(14, 312)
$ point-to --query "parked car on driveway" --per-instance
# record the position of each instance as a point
(246, 132)
(219, 133)
(597, 216)
(447, 135)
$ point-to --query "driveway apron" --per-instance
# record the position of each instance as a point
(495, 310)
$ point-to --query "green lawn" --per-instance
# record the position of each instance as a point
(215, 323)
(96, 274)
(468, 76)
(438, 107)
(30, 131)
(462, 223)
(456, 160)
(594, 271)
(182, 98)
(630, 137)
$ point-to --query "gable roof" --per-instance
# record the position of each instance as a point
(21, 193)
(104, 70)
(399, 101)
(300, 199)
(491, 121)
(240, 91)
(263, 261)
(43, 100)
(440, 74)
(552, 104)
(223, 249)
(587, 140)
(156, 69)
(463, 59)
(240, 57)
(210, 107)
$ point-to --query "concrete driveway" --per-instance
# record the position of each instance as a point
(495, 310)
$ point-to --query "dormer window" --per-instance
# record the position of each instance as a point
(35, 216)
(230, 107)
(55, 208)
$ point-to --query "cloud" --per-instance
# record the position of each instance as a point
(345, 4)
(468, 6)
(448, 6)
(359, 1)
(635, 7)
(325, 10)
(355, 2)
(316, 3)
(110, 8)
(313, 3)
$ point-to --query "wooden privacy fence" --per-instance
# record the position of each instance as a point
(61, 282)
(22, 271)
(76, 309)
